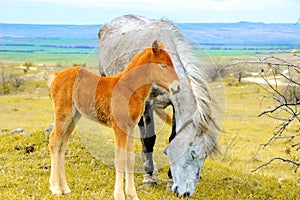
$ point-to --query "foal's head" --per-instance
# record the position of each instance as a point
(160, 68)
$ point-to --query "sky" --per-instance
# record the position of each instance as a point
(180, 11)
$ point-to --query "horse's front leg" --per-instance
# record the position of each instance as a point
(148, 137)
(172, 136)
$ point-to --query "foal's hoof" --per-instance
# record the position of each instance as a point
(169, 185)
(149, 181)
(67, 191)
(55, 190)
(59, 191)
(133, 198)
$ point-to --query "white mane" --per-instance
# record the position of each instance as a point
(203, 117)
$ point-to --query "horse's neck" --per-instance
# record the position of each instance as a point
(184, 102)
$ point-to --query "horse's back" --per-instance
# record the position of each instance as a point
(125, 36)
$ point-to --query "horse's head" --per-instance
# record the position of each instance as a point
(161, 70)
(186, 154)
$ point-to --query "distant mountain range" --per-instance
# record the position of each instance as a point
(208, 34)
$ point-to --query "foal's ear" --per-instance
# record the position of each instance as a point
(156, 45)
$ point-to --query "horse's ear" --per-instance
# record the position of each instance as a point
(166, 151)
(156, 46)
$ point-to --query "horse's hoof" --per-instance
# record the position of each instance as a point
(149, 181)
(169, 185)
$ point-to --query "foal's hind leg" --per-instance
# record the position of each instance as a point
(54, 146)
(57, 145)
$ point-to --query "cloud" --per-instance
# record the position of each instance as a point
(175, 5)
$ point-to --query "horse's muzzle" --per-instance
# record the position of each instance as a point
(175, 87)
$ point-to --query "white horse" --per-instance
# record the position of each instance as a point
(196, 132)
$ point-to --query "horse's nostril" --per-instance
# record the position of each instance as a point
(187, 194)
(175, 88)
(178, 88)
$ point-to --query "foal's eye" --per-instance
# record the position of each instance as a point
(163, 66)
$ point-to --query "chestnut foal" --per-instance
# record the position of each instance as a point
(116, 101)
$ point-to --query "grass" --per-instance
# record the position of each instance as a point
(89, 157)
(25, 176)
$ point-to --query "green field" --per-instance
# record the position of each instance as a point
(52, 59)
(90, 56)
(49, 50)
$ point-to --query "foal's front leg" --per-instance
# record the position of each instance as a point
(130, 186)
(120, 163)
(124, 162)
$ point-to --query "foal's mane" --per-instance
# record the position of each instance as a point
(203, 117)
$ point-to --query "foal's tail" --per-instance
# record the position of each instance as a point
(49, 82)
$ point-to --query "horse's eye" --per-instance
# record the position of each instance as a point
(163, 66)
(194, 154)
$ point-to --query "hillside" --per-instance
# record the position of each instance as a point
(243, 34)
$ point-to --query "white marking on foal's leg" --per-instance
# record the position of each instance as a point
(130, 187)
(120, 163)
(54, 175)
(62, 174)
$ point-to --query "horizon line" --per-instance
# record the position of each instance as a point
(67, 24)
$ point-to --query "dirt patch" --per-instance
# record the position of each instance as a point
(259, 80)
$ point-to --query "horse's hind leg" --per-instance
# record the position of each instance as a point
(148, 137)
